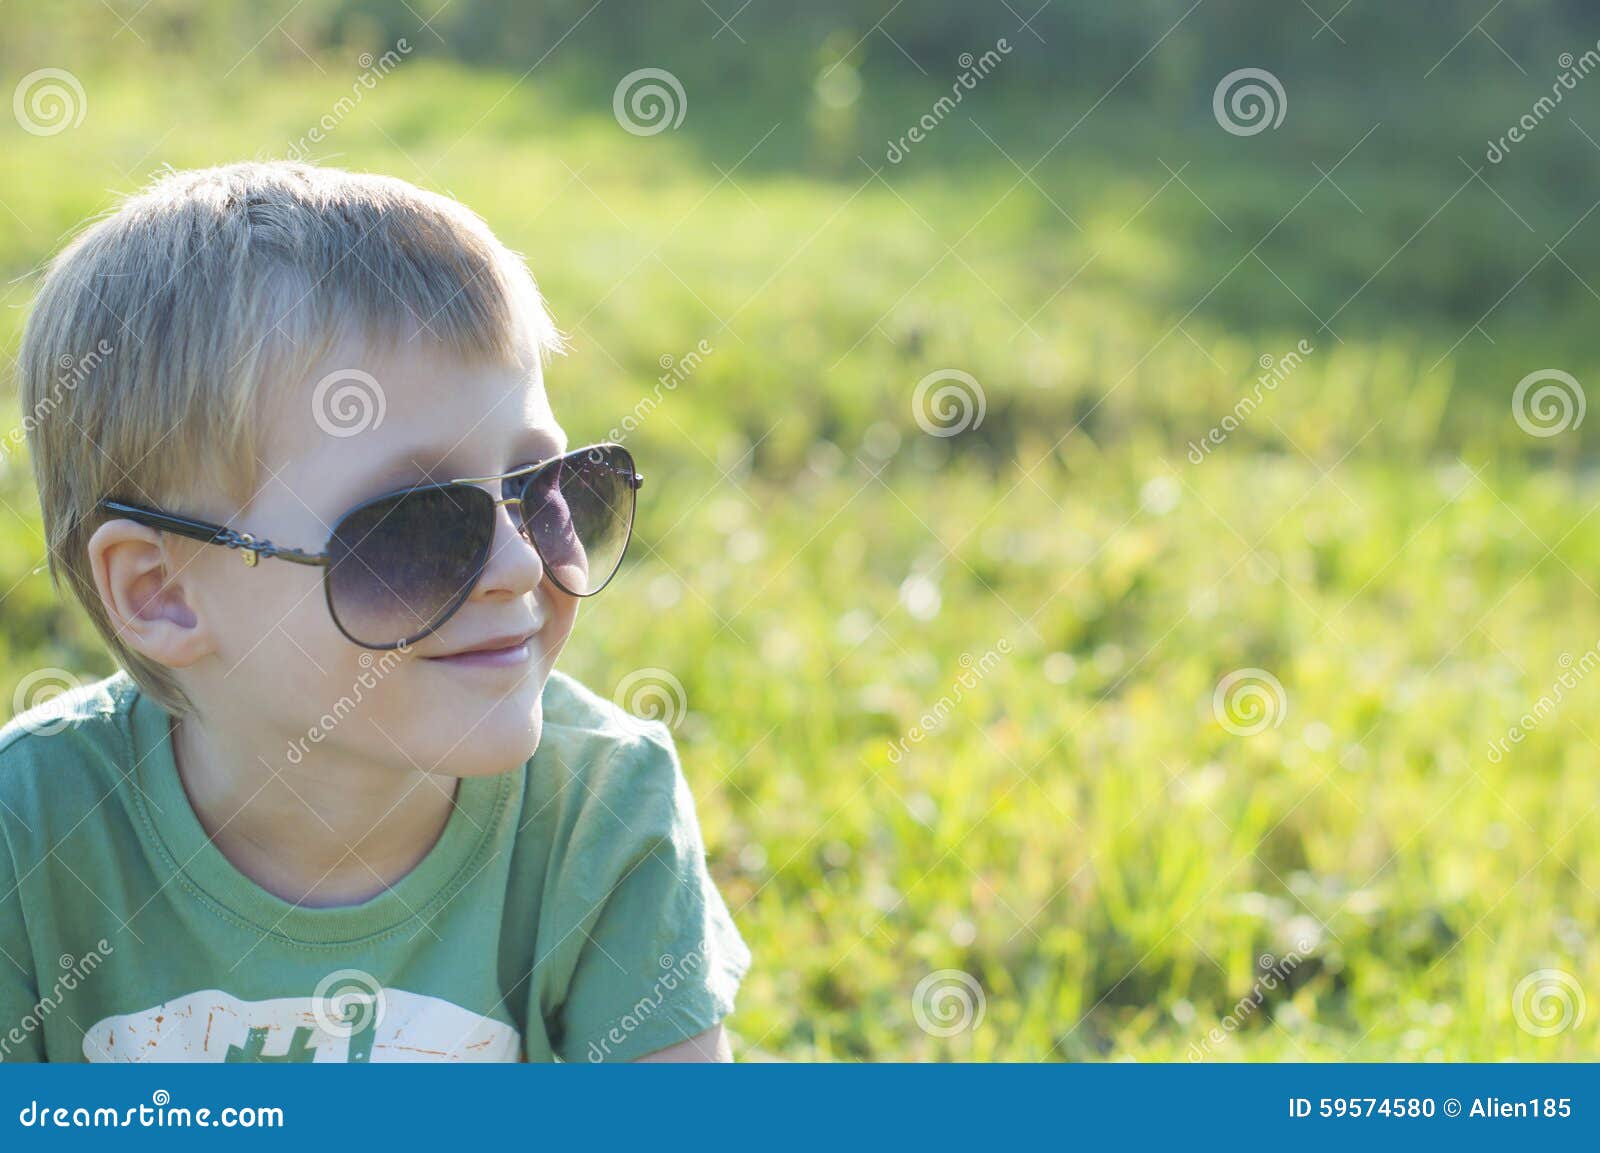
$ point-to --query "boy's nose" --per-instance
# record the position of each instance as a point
(514, 566)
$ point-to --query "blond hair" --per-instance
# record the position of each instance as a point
(162, 332)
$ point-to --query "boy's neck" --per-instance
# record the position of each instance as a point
(317, 834)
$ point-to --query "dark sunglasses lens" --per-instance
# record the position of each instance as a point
(397, 568)
(579, 514)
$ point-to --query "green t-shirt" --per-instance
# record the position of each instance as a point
(565, 912)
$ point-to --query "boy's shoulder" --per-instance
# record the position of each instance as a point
(596, 757)
(87, 723)
(68, 751)
(596, 730)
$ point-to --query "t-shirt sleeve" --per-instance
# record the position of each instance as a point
(644, 941)
(21, 1039)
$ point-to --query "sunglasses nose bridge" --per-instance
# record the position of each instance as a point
(517, 517)
(519, 521)
(514, 504)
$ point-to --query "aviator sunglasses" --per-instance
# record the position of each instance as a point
(398, 566)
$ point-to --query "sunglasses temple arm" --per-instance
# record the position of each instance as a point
(208, 533)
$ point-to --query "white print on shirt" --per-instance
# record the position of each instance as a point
(210, 1025)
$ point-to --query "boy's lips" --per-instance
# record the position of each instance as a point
(508, 650)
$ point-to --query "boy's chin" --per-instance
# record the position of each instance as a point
(499, 743)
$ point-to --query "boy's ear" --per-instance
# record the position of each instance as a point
(144, 596)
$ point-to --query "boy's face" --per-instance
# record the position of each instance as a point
(418, 415)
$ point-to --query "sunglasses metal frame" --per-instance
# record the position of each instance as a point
(252, 547)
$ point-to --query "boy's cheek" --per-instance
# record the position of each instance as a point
(285, 661)
(277, 639)
(246, 604)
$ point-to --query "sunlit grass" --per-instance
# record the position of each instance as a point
(1080, 835)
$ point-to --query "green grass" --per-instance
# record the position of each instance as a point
(1080, 834)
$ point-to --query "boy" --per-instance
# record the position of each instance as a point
(338, 805)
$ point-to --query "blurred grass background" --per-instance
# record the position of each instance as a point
(1079, 836)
